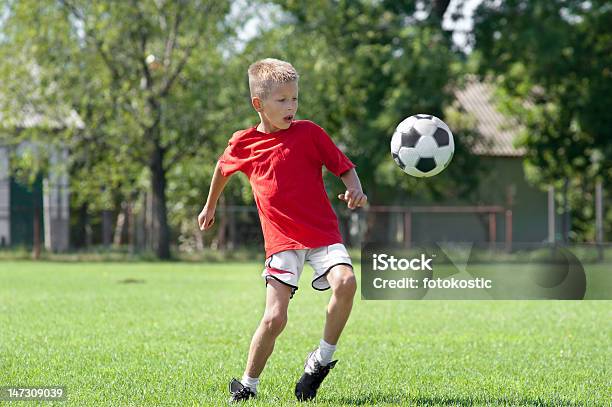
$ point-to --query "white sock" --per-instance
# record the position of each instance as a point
(250, 382)
(325, 352)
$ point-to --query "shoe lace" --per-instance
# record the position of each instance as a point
(243, 393)
(320, 370)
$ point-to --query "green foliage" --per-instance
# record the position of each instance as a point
(364, 67)
(143, 77)
(170, 77)
(551, 61)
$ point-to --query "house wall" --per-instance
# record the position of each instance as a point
(57, 203)
(529, 209)
(529, 221)
(47, 200)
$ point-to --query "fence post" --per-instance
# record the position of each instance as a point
(36, 231)
(492, 230)
(551, 214)
(508, 230)
(408, 229)
(599, 220)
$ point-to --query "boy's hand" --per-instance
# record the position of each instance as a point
(355, 198)
(206, 218)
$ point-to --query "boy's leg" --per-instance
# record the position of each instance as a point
(343, 284)
(318, 363)
(282, 274)
(271, 325)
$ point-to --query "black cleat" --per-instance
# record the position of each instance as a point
(306, 388)
(239, 392)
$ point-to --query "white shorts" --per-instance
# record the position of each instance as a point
(287, 266)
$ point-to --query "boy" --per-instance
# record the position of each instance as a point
(283, 159)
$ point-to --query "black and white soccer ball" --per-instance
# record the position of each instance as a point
(422, 145)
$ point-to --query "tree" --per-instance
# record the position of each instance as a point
(120, 65)
(365, 66)
(550, 61)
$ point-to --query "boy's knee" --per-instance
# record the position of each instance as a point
(345, 285)
(274, 322)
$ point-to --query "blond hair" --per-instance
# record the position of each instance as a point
(266, 73)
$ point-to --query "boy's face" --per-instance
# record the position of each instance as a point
(279, 108)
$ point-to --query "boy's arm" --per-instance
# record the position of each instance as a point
(206, 218)
(354, 196)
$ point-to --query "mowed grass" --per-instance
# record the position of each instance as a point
(133, 334)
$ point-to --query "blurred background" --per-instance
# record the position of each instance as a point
(113, 114)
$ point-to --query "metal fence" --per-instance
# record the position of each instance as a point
(239, 227)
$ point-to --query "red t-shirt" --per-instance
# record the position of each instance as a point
(285, 171)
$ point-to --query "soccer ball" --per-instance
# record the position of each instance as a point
(422, 145)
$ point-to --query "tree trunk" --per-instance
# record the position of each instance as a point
(107, 227)
(231, 219)
(130, 225)
(158, 184)
(140, 230)
(222, 231)
(119, 226)
(149, 227)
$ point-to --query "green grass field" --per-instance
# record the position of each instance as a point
(133, 334)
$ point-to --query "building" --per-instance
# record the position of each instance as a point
(506, 210)
(44, 206)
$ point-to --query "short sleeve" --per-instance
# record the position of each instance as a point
(330, 155)
(234, 158)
